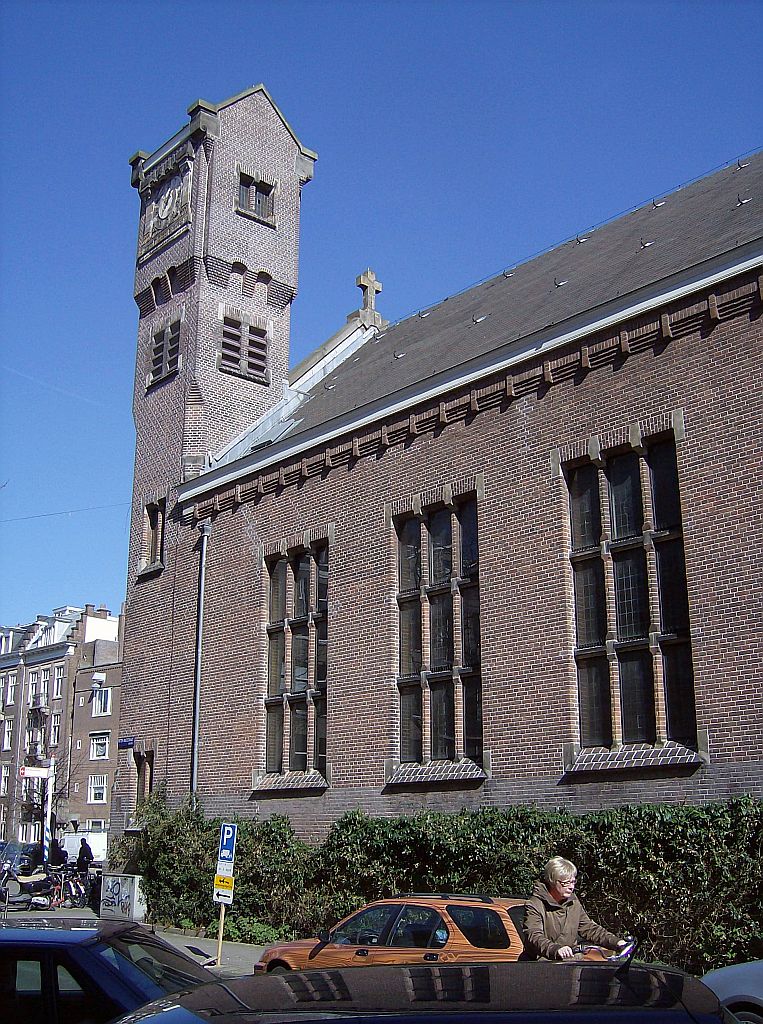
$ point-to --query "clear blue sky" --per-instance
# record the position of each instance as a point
(454, 139)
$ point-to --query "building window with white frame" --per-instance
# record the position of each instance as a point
(7, 734)
(96, 789)
(58, 682)
(34, 682)
(99, 745)
(102, 702)
(96, 824)
(4, 779)
(55, 729)
(45, 684)
(11, 692)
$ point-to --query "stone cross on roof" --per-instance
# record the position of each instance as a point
(369, 286)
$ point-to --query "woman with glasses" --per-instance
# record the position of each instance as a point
(555, 919)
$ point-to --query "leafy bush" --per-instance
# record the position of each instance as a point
(684, 879)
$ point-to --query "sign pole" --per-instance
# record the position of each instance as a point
(220, 928)
(48, 810)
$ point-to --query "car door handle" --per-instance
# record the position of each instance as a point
(361, 952)
(431, 956)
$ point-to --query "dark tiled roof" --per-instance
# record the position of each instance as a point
(685, 228)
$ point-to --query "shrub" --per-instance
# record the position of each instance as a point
(682, 878)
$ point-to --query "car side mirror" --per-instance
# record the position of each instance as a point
(324, 936)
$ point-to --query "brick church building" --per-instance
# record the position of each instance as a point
(505, 551)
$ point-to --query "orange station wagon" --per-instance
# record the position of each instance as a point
(409, 929)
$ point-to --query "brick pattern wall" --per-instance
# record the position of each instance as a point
(695, 365)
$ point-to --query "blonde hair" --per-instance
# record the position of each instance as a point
(558, 868)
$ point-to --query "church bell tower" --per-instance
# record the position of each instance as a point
(216, 273)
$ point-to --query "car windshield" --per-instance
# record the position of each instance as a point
(149, 965)
(15, 853)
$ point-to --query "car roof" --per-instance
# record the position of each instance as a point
(59, 931)
(458, 991)
(442, 897)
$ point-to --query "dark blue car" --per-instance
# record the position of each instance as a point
(86, 972)
(574, 992)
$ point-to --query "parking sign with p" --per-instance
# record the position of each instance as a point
(227, 853)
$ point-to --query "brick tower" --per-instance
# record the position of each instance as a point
(216, 273)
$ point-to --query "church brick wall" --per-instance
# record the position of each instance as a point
(711, 375)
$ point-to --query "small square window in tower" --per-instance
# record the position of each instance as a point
(256, 198)
(244, 349)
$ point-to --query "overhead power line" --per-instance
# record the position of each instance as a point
(65, 512)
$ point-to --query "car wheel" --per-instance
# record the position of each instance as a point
(748, 1014)
(279, 969)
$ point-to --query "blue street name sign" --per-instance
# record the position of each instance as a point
(228, 834)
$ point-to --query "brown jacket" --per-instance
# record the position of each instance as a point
(550, 925)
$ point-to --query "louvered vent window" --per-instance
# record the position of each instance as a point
(244, 349)
(622, 695)
(165, 352)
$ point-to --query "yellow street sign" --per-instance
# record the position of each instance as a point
(224, 882)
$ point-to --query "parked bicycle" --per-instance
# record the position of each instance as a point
(68, 889)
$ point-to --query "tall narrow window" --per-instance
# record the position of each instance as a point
(410, 723)
(274, 737)
(153, 534)
(675, 640)
(595, 702)
(631, 593)
(165, 352)
(452, 575)
(633, 598)
(298, 734)
(276, 633)
(442, 713)
(297, 586)
(625, 496)
(637, 697)
(319, 741)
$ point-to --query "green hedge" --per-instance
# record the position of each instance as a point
(684, 879)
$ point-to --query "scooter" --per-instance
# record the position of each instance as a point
(30, 892)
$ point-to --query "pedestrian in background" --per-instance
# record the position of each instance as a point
(85, 856)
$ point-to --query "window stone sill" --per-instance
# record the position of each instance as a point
(257, 378)
(288, 783)
(432, 773)
(633, 757)
(269, 222)
(150, 570)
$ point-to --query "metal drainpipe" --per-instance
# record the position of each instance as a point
(205, 529)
